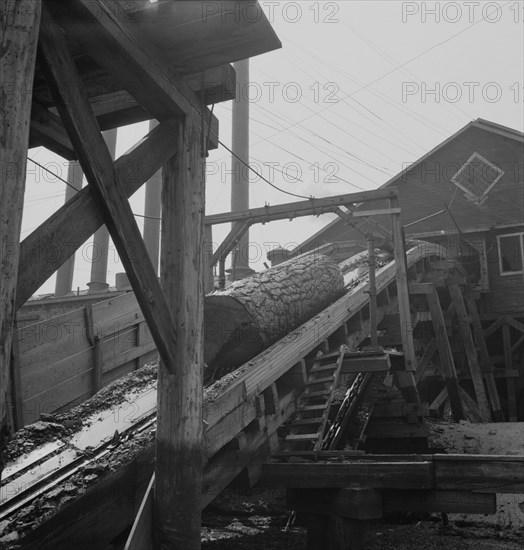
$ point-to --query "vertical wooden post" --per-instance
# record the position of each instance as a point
(406, 378)
(372, 293)
(469, 348)
(508, 363)
(222, 273)
(486, 362)
(209, 279)
(19, 23)
(16, 383)
(446, 357)
(179, 460)
(98, 348)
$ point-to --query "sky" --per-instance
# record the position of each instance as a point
(358, 91)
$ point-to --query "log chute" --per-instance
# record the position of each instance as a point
(253, 313)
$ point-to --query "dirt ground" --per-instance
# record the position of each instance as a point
(256, 520)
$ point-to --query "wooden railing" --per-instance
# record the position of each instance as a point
(62, 361)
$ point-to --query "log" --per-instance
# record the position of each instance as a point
(253, 313)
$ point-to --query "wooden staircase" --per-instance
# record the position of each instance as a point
(306, 431)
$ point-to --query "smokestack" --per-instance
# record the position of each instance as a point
(101, 240)
(240, 172)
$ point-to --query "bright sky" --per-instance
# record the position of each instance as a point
(359, 90)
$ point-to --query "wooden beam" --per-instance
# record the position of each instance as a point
(209, 278)
(377, 475)
(510, 383)
(96, 162)
(229, 242)
(458, 502)
(480, 473)
(426, 358)
(486, 363)
(377, 212)
(179, 438)
(53, 242)
(405, 379)
(469, 348)
(96, 341)
(19, 23)
(141, 535)
(125, 53)
(300, 208)
(47, 130)
(445, 354)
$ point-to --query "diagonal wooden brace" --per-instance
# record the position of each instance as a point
(95, 159)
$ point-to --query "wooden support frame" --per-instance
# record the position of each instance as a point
(469, 347)
(95, 159)
(486, 363)
(20, 25)
(50, 245)
(125, 53)
(406, 378)
(444, 348)
(508, 362)
(98, 348)
(179, 437)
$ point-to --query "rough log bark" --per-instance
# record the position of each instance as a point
(255, 312)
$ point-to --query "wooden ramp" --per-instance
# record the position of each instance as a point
(244, 415)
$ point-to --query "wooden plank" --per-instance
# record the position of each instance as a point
(230, 241)
(16, 384)
(426, 358)
(209, 278)
(510, 383)
(376, 212)
(480, 473)
(486, 363)
(304, 208)
(44, 250)
(179, 435)
(20, 23)
(469, 348)
(450, 502)
(440, 399)
(471, 408)
(98, 355)
(47, 130)
(378, 475)
(372, 293)
(97, 165)
(141, 535)
(406, 327)
(446, 357)
(379, 429)
(127, 54)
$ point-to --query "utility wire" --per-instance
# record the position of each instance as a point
(262, 177)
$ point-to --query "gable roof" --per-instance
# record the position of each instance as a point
(338, 226)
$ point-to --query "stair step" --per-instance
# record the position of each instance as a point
(312, 407)
(305, 421)
(331, 366)
(302, 437)
(312, 381)
(318, 393)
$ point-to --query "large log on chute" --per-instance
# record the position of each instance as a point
(255, 312)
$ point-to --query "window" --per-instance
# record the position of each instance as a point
(476, 177)
(511, 253)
